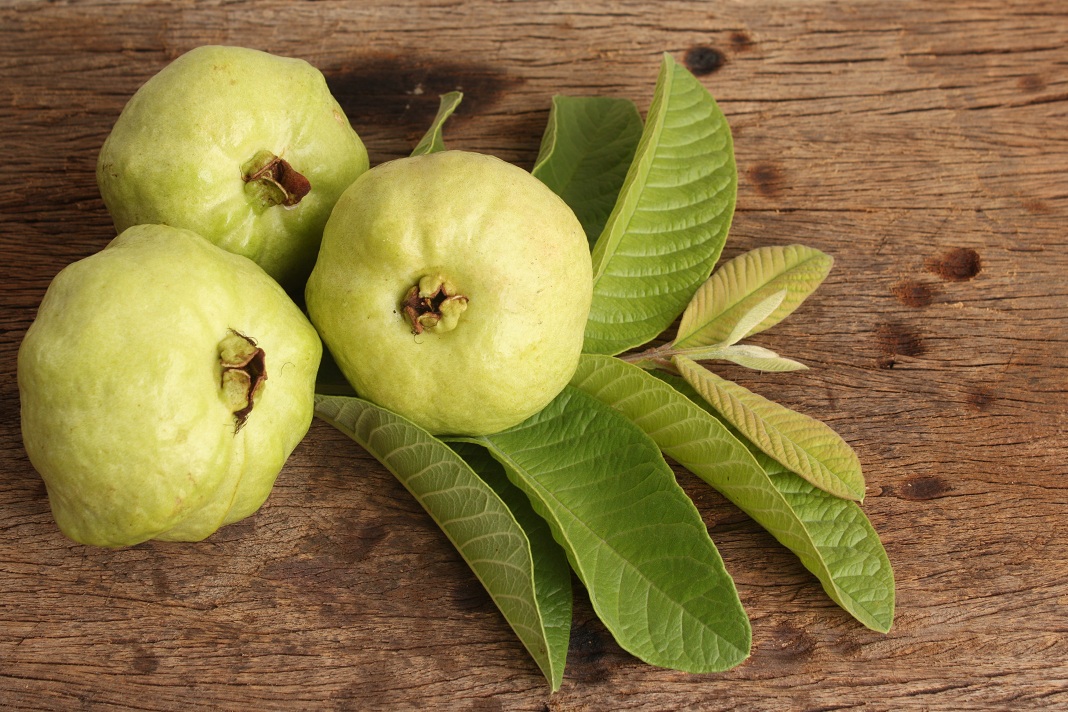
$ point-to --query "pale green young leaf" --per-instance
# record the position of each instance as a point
(748, 355)
(633, 537)
(671, 218)
(752, 319)
(588, 144)
(526, 576)
(831, 536)
(432, 140)
(803, 444)
(758, 358)
(745, 281)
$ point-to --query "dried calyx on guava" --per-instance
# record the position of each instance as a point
(163, 385)
(453, 288)
(246, 148)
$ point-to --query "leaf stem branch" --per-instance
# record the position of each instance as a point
(661, 356)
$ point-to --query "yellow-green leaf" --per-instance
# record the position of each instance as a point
(742, 283)
(802, 444)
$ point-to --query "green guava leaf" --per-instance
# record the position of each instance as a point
(432, 140)
(802, 444)
(847, 544)
(832, 537)
(586, 149)
(742, 283)
(490, 524)
(633, 537)
(670, 220)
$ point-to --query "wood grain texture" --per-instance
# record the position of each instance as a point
(923, 145)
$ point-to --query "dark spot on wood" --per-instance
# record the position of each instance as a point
(899, 340)
(336, 613)
(958, 265)
(741, 42)
(914, 294)
(586, 655)
(767, 178)
(145, 662)
(472, 598)
(348, 542)
(924, 487)
(1031, 83)
(702, 60)
(288, 649)
(160, 584)
(402, 91)
(981, 397)
(294, 573)
(791, 640)
(1036, 206)
(586, 642)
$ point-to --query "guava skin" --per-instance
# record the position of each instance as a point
(126, 410)
(516, 267)
(184, 145)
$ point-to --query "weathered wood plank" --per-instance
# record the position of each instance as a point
(924, 145)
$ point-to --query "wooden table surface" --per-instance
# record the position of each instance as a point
(924, 145)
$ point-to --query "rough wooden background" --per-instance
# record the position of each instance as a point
(924, 145)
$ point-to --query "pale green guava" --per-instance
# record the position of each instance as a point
(453, 289)
(246, 148)
(163, 385)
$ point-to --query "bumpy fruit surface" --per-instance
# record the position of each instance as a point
(453, 288)
(246, 148)
(163, 385)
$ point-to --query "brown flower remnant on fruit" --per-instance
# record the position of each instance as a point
(280, 183)
(244, 369)
(433, 305)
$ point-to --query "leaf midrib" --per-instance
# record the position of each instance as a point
(643, 165)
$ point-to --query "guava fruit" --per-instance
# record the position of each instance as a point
(453, 288)
(163, 385)
(246, 148)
